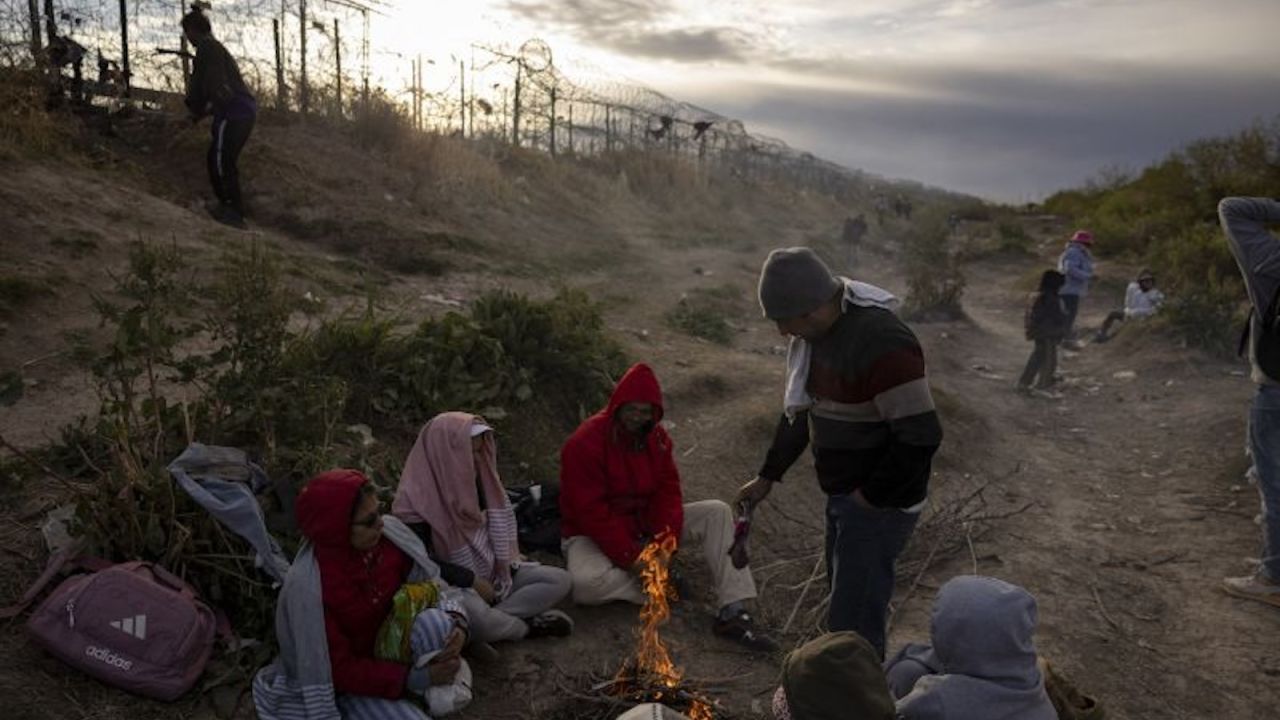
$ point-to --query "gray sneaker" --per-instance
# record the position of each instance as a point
(1253, 587)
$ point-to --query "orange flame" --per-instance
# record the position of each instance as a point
(653, 662)
(652, 658)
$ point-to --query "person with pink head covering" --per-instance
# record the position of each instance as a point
(1076, 263)
(451, 496)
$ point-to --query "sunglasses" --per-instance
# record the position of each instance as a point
(369, 521)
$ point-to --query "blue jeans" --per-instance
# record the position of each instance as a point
(1264, 444)
(1072, 305)
(863, 544)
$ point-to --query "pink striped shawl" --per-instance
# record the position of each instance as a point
(438, 486)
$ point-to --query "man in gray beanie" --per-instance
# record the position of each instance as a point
(856, 387)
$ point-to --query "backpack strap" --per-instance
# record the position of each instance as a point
(65, 560)
(56, 563)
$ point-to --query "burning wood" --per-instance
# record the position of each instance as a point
(651, 676)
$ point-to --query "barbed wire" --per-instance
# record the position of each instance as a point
(517, 92)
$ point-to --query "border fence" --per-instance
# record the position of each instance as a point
(318, 57)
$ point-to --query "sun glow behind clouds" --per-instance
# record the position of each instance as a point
(1025, 93)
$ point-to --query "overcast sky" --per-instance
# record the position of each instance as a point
(1009, 99)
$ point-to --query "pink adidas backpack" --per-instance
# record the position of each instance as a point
(134, 625)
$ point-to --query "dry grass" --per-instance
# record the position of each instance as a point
(26, 129)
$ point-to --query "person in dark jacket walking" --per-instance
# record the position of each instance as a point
(217, 89)
(1046, 321)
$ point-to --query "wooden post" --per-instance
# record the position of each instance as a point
(185, 47)
(572, 150)
(515, 109)
(275, 32)
(337, 59)
(304, 97)
(124, 45)
(37, 46)
(553, 121)
(462, 99)
(417, 96)
(50, 24)
(364, 60)
(608, 129)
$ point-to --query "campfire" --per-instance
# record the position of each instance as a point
(651, 676)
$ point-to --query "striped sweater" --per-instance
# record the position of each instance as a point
(873, 425)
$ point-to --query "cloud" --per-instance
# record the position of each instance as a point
(589, 15)
(1012, 135)
(649, 30)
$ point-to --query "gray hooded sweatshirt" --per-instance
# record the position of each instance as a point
(983, 656)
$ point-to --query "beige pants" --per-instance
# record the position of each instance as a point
(596, 580)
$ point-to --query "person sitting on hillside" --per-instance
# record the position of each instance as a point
(337, 596)
(981, 663)
(1045, 323)
(836, 675)
(451, 496)
(620, 490)
(1141, 300)
(217, 89)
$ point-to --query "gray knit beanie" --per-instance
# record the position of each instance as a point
(794, 282)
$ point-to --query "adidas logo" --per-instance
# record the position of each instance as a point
(135, 626)
(107, 657)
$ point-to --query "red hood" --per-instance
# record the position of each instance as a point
(638, 384)
(324, 506)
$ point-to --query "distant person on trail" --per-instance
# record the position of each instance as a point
(1076, 263)
(856, 388)
(836, 675)
(339, 593)
(451, 496)
(1045, 323)
(1141, 300)
(620, 490)
(218, 89)
(851, 234)
(981, 661)
(1257, 252)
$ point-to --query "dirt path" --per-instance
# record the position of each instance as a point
(1139, 510)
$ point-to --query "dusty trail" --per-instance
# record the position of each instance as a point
(1139, 510)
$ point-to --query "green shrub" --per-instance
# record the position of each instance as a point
(17, 291)
(702, 313)
(1204, 288)
(1013, 238)
(935, 282)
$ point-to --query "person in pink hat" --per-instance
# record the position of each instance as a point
(1076, 263)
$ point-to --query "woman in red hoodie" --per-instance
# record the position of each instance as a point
(361, 568)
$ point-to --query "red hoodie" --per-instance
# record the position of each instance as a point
(356, 586)
(612, 492)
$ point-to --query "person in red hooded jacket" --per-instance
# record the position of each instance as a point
(620, 489)
(360, 571)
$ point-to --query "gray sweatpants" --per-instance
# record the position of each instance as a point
(534, 589)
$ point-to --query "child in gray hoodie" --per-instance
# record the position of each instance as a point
(981, 664)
